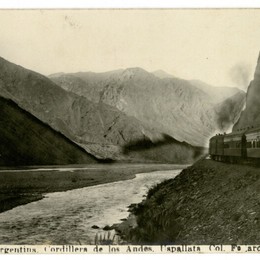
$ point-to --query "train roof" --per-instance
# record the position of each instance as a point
(235, 133)
(252, 130)
(217, 136)
(240, 132)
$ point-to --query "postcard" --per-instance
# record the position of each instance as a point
(129, 131)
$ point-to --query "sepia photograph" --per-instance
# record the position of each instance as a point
(129, 131)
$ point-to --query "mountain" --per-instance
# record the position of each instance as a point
(88, 84)
(217, 94)
(173, 106)
(162, 74)
(25, 140)
(250, 117)
(102, 130)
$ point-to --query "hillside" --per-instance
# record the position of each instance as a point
(25, 140)
(250, 116)
(170, 105)
(217, 94)
(207, 203)
(102, 130)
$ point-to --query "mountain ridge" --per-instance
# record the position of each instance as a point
(160, 103)
(102, 130)
(162, 74)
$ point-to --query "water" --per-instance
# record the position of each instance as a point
(68, 217)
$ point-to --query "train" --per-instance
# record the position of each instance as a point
(239, 146)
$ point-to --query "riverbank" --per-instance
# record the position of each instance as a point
(18, 187)
(207, 203)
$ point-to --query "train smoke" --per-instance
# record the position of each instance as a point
(240, 75)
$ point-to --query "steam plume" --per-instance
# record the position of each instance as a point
(240, 75)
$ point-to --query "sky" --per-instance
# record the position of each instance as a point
(219, 47)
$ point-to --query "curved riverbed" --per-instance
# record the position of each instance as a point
(68, 217)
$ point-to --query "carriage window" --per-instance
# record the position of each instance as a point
(248, 145)
(238, 145)
(258, 144)
(226, 145)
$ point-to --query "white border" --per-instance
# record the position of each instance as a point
(68, 4)
(77, 4)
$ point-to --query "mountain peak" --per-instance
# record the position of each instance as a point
(258, 60)
(58, 74)
(250, 116)
(162, 74)
(257, 70)
(136, 70)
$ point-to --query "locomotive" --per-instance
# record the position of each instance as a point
(240, 146)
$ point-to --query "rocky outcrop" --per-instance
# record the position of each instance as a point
(250, 117)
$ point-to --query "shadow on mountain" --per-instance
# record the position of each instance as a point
(25, 140)
(144, 144)
(167, 149)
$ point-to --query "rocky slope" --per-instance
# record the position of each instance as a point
(25, 140)
(170, 105)
(250, 116)
(208, 203)
(100, 129)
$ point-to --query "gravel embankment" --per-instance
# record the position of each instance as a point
(208, 203)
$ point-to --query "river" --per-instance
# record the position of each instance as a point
(68, 217)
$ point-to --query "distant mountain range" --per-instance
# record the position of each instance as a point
(217, 94)
(123, 115)
(102, 130)
(189, 111)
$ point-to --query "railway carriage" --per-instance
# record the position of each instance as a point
(232, 147)
(216, 147)
(237, 146)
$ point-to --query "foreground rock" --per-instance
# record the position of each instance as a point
(208, 203)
